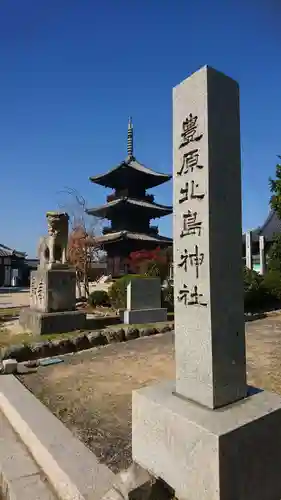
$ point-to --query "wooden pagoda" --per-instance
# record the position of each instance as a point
(129, 209)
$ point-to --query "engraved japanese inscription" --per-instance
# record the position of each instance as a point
(190, 297)
(190, 192)
(189, 162)
(37, 292)
(193, 258)
(189, 130)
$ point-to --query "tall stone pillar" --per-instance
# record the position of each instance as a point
(204, 432)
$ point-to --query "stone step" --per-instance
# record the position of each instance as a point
(20, 476)
(72, 469)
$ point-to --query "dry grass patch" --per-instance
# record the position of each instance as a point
(91, 392)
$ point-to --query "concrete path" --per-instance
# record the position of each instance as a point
(20, 476)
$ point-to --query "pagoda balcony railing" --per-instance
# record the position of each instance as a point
(107, 230)
(110, 197)
(114, 196)
(153, 230)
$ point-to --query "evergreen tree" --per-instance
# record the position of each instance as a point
(275, 188)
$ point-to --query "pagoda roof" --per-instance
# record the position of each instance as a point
(130, 171)
(270, 228)
(129, 235)
(154, 209)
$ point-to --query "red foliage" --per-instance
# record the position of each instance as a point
(80, 245)
(139, 261)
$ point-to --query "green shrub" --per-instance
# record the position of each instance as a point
(168, 298)
(272, 284)
(99, 298)
(274, 255)
(255, 293)
(118, 290)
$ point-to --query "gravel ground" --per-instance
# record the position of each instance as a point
(14, 298)
(91, 391)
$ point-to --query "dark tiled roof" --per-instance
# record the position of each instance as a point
(128, 235)
(269, 229)
(8, 252)
(155, 209)
(133, 170)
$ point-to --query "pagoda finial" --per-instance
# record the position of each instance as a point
(130, 143)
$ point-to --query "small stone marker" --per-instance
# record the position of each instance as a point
(9, 366)
(144, 302)
(249, 257)
(207, 434)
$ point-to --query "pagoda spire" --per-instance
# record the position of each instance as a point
(130, 140)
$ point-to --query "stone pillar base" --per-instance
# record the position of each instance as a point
(141, 316)
(40, 323)
(233, 453)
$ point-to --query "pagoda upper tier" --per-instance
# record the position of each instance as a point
(130, 174)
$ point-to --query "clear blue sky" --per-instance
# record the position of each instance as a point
(72, 71)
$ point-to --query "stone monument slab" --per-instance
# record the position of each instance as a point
(144, 293)
(144, 302)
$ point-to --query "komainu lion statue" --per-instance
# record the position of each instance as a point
(52, 249)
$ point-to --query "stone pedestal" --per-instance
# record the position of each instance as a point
(232, 453)
(41, 323)
(52, 302)
(142, 316)
(53, 290)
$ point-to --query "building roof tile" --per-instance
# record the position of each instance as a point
(123, 235)
(269, 229)
(8, 252)
(156, 209)
(134, 170)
